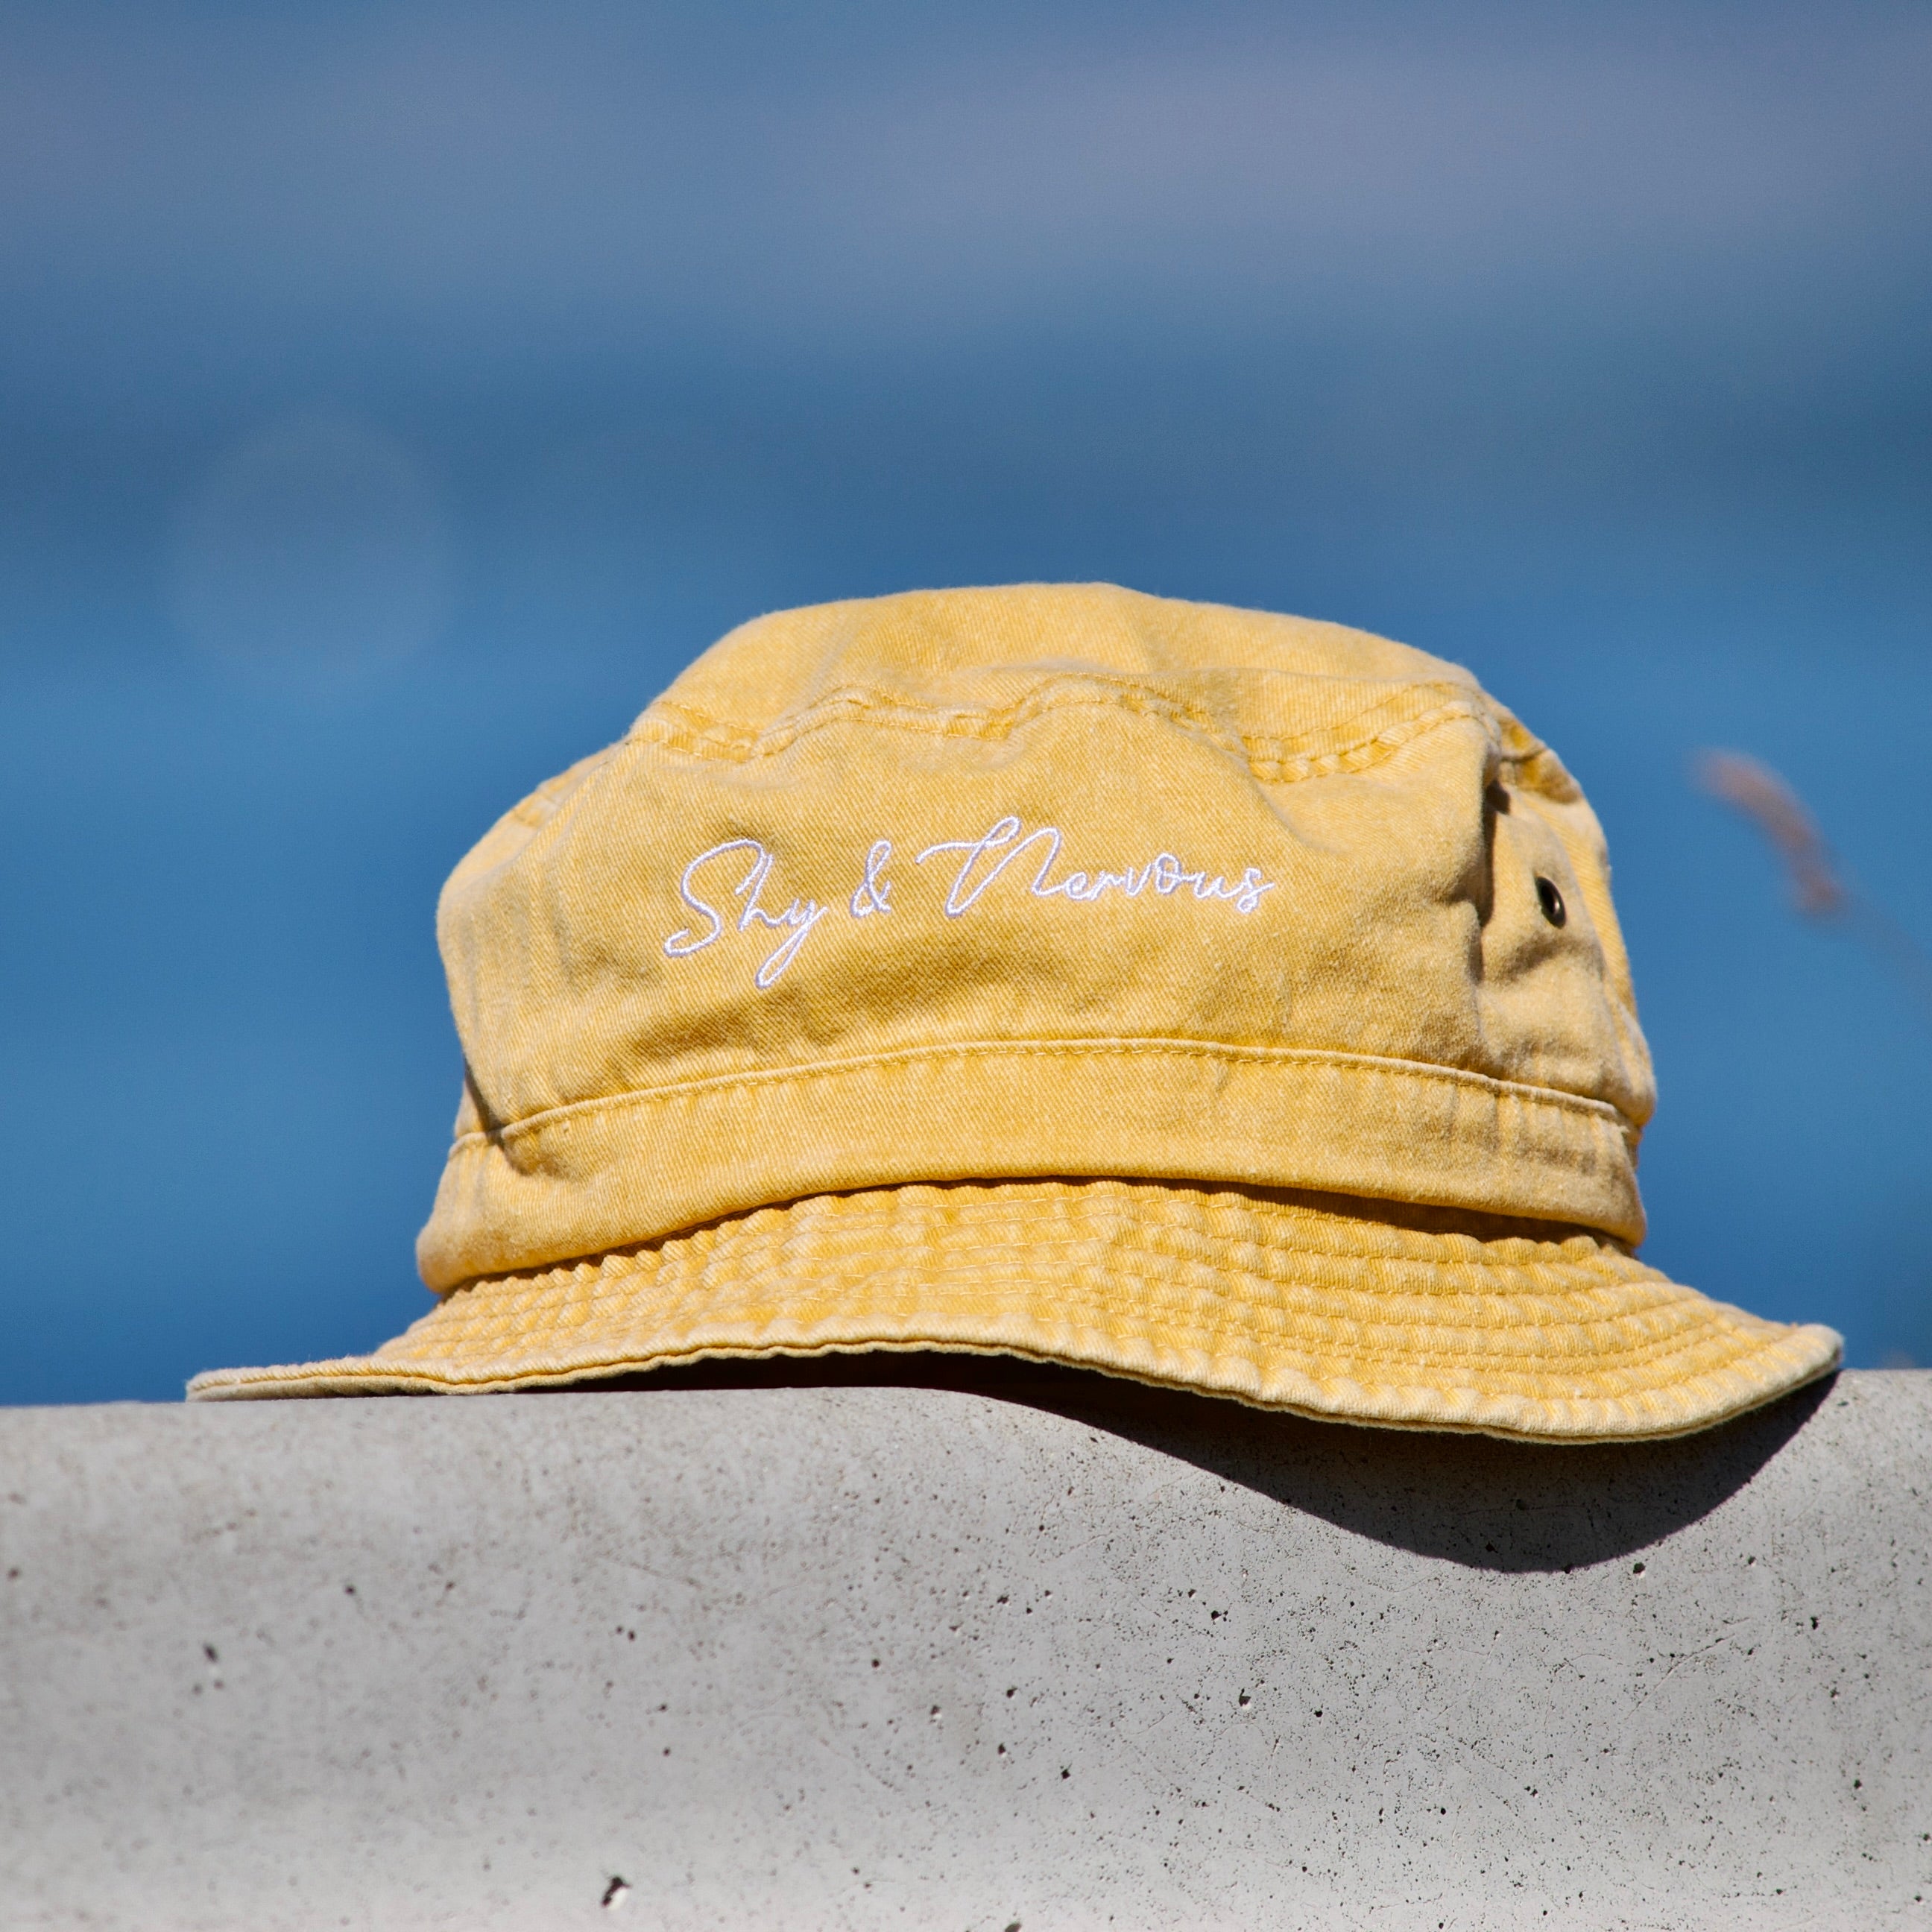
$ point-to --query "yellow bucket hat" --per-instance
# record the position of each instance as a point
(1229, 1001)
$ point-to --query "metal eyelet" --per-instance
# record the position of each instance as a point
(1551, 901)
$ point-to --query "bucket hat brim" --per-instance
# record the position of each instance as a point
(1360, 1311)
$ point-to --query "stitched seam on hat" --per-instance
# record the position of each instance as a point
(609, 1279)
(1512, 1091)
(1504, 1415)
(1784, 1348)
(1695, 1331)
(682, 727)
(685, 1260)
(1160, 1213)
(839, 1217)
(1642, 1353)
(689, 1256)
(1409, 1362)
(1097, 1310)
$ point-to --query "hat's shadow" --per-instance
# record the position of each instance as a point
(1471, 1499)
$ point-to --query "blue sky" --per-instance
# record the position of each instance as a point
(393, 398)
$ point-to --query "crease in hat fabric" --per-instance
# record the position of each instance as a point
(786, 1020)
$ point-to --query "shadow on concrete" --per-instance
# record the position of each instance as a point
(1470, 1499)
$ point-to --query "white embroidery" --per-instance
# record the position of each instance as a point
(873, 890)
(1003, 844)
(798, 918)
(1163, 872)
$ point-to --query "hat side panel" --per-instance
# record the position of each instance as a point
(1550, 990)
(1093, 873)
(1239, 977)
(481, 1023)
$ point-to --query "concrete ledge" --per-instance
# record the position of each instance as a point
(1032, 1649)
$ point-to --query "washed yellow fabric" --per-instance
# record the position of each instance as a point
(1228, 1000)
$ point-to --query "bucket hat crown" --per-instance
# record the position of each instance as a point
(1228, 1000)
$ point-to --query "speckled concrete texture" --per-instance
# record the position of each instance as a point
(1020, 1648)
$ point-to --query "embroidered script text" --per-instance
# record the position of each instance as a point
(983, 861)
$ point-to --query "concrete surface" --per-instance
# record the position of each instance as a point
(1044, 1651)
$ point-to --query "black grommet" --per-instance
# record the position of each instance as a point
(1551, 901)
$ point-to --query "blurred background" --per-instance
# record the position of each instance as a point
(393, 397)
